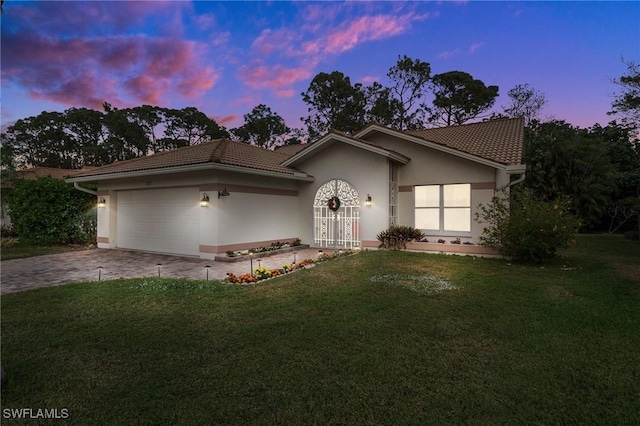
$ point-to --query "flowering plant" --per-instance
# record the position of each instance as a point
(262, 273)
(242, 279)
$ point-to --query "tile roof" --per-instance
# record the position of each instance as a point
(499, 140)
(292, 149)
(36, 172)
(221, 151)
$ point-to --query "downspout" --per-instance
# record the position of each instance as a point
(80, 188)
(515, 182)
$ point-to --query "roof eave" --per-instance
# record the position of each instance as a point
(191, 168)
(317, 147)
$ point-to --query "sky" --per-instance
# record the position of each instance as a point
(225, 58)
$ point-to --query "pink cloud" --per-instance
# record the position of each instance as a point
(286, 93)
(245, 100)
(226, 120)
(144, 88)
(275, 77)
(475, 46)
(88, 72)
(366, 28)
(204, 22)
(448, 54)
(80, 17)
(269, 40)
(367, 79)
(316, 39)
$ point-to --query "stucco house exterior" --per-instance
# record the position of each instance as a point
(338, 192)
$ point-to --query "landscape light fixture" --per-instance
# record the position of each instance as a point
(367, 202)
(223, 193)
(204, 201)
(208, 266)
(102, 202)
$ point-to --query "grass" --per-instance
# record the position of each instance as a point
(376, 338)
(20, 250)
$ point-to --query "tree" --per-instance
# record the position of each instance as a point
(189, 126)
(623, 151)
(333, 104)
(262, 127)
(524, 101)
(125, 137)
(381, 106)
(566, 161)
(86, 127)
(43, 141)
(627, 105)
(627, 101)
(81, 137)
(150, 119)
(296, 137)
(459, 98)
(409, 79)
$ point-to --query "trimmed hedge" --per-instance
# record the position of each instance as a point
(50, 211)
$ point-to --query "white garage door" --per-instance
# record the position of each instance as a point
(159, 220)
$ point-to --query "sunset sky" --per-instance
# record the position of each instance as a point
(227, 57)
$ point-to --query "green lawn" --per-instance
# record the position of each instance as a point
(500, 343)
(28, 250)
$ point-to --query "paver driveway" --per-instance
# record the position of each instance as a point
(62, 268)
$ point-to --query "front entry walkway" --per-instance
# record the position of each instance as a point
(56, 269)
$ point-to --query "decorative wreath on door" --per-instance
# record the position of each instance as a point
(333, 204)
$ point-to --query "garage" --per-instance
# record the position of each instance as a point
(159, 220)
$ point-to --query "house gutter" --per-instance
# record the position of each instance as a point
(190, 168)
(523, 175)
(77, 186)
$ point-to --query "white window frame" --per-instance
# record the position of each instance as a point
(441, 211)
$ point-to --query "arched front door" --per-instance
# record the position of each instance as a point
(336, 216)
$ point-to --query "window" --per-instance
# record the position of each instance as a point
(443, 208)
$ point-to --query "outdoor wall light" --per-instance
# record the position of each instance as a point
(367, 202)
(204, 201)
(223, 193)
(102, 202)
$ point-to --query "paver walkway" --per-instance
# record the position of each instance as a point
(56, 269)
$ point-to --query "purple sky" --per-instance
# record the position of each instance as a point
(227, 57)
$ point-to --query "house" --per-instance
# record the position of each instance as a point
(338, 192)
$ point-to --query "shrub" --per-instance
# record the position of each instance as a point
(8, 231)
(525, 228)
(632, 235)
(8, 242)
(396, 237)
(50, 211)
